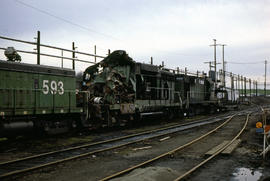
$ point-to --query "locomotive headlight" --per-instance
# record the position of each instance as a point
(87, 77)
(10, 51)
(12, 54)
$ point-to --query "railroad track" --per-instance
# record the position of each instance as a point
(27, 164)
(217, 152)
(182, 147)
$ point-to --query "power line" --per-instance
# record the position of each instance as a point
(65, 20)
(179, 53)
(106, 35)
(260, 62)
(90, 30)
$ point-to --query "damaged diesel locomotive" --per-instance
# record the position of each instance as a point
(122, 90)
(112, 87)
(114, 91)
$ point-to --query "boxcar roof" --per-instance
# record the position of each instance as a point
(31, 68)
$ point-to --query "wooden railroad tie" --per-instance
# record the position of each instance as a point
(227, 151)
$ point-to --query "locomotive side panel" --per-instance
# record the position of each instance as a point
(27, 92)
(57, 93)
(35, 96)
(17, 93)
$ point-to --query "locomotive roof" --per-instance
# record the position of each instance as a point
(118, 57)
(148, 67)
(31, 68)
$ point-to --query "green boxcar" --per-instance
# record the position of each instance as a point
(27, 89)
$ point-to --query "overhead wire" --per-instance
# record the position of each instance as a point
(65, 20)
(110, 36)
(89, 29)
(242, 63)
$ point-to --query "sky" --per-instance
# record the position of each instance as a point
(177, 32)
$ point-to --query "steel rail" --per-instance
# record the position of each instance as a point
(102, 142)
(88, 153)
(215, 154)
(167, 153)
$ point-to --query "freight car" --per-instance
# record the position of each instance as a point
(36, 97)
(122, 90)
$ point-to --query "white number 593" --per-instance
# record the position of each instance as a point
(54, 87)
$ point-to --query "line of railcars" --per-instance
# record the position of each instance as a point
(115, 91)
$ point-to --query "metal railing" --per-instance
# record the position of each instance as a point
(39, 54)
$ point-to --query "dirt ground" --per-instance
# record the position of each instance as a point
(244, 163)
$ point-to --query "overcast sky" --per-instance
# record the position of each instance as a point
(176, 32)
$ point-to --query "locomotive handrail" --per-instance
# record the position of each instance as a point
(73, 51)
(21, 41)
(38, 53)
(73, 58)
(180, 71)
(49, 46)
(48, 55)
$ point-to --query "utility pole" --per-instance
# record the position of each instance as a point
(215, 56)
(232, 86)
(245, 86)
(210, 65)
(236, 86)
(265, 69)
(223, 65)
(38, 47)
(250, 89)
(256, 84)
(254, 88)
(73, 55)
(242, 87)
(95, 51)
(239, 82)
(215, 61)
